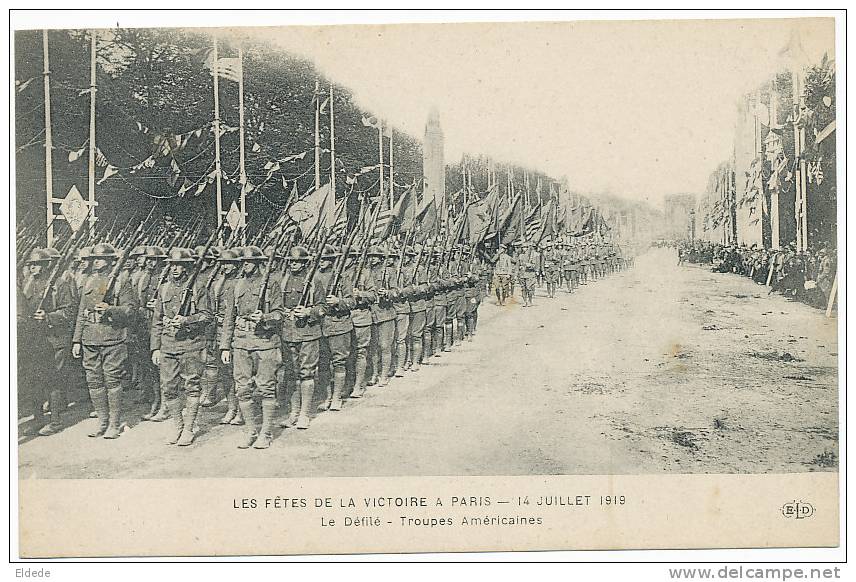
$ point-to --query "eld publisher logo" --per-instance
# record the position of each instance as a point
(797, 509)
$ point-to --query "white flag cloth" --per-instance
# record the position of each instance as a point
(108, 171)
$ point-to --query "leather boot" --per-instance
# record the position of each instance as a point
(359, 378)
(307, 391)
(251, 431)
(163, 410)
(293, 406)
(266, 434)
(114, 406)
(239, 418)
(99, 402)
(57, 406)
(191, 409)
(338, 390)
(231, 410)
(176, 407)
(156, 405)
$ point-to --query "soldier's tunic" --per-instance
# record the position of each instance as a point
(528, 270)
(103, 337)
(415, 293)
(503, 273)
(402, 322)
(383, 320)
(336, 326)
(146, 285)
(441, 302)
(221, 291)
(427, 290)
(256, 349)
(211, 375)
(182, 347)
(550, 266)
(473, 294)
(365, 296)
(47, 343)
(301, 336)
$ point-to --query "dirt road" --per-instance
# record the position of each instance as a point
(658, 369)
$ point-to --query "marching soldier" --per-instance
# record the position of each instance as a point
(365, 296)
(427, 289)
(147, 283)
(250, 343)
(383, 318)
(527, 269)
(336, 325)
(402, 315)
(502, 273)
(550, 267)
(457, 301)
(221, 289)
(301, 334)
(441, 302)
(45, 330)
(178, 342)
(211, 376)
(473, 294)
(100, 338)
(415, 278)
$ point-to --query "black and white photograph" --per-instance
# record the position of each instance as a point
(473, 249)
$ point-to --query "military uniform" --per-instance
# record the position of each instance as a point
(221, 289)
(301, 337)
(402, 321)
(147, 284)
(383, 322)
(181, 345)
(103, 335)
(336, 327)
(441, 302)
(527, 271)
(503, 273)
(365, 296)
(255, 347)
(416, 279)
(550, 268)
(45, 336)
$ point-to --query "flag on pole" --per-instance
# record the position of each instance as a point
(316, 208)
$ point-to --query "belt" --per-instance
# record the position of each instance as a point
(92, 316)
(245, 324)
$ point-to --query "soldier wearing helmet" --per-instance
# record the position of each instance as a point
(364, 291)
(427, 289)
(182, 315)
(503, 273)
(441, 303)
(221, 289)
(336, 325)
(301, 334)
(456, 310)
(147, 284)
(527, 265)
(415, 289)
(473, 294)
(45, 321)
(400, 261)
(383, 317)
(249, 341)
(100, 338)
(211, 376)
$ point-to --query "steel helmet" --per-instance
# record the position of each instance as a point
(299, 253)
(230, 256)
(253, 253)
(39, 256)
(180, 255)
(103, 251)
(154, 252)
(212, 254)
(330, 252)
(137, 251)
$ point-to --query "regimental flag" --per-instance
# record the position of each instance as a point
(426, 219)
(548, 223)
(532, 225)
(340, 227)
(478, 221)
(561, 220)
(508, 225)
(313, 210)
(383, 220)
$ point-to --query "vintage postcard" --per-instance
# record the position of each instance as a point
(446, 287)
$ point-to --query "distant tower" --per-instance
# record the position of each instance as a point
(433, 166)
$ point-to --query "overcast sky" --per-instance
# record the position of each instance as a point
(641, 109)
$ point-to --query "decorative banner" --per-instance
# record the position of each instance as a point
(74, 209)
(233, 217)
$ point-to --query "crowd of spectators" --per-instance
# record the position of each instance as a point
(803, 275)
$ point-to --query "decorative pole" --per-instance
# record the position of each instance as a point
(92, 150)
(317, 138)
(48, 141)
(243, 171)
(214, 67)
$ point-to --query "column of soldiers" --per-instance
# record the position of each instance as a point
(189, 327)
(554, 264)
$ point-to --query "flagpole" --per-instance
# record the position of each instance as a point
(317, 138)
(380, 156)
(214, 67)
(92, 151)
(48, 141)
(243, 171)
(391, 172)
(332, 147)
